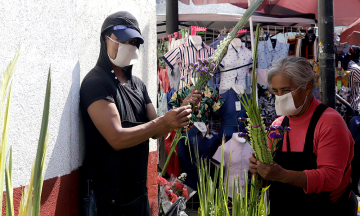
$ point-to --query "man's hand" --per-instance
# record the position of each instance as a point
(272, 172)
(177, 117)
(193, 98)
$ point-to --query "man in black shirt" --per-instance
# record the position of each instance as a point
(119, 119)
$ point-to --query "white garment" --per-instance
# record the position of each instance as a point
(162, 103)
(239, 162)
(233, 59)
(174, 77)
(261, 76)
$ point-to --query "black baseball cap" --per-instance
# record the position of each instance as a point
(123, 25)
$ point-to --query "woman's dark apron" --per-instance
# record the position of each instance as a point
(121, 188)
(286, 199)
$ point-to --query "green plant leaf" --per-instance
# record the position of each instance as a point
(39, 166)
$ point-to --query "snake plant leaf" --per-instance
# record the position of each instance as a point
(39, 167)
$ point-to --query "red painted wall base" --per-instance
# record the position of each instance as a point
(60, 195)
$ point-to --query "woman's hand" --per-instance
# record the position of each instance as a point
(193, 98)
(272, 172)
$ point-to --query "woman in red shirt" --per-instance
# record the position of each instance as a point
(312, 172)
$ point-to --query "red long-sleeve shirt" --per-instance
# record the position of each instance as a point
(333, 146)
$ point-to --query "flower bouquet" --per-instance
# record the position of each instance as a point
(204, 69)
(173, 193)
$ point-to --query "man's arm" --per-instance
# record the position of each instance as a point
(106, 119)
(151, 113)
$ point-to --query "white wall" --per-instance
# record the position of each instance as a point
(65, 34)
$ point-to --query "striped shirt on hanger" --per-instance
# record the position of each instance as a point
(354, 78)
(185, 54)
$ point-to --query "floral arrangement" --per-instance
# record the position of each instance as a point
(175, 187)
(173, 194)
(204, 69)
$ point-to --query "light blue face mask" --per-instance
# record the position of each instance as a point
(285, 105)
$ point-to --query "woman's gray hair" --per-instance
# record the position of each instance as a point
(297, 68)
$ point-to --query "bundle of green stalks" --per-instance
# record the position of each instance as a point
(214, 199)
(204, 71)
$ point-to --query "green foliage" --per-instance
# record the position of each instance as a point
(212, 64)
(30, 201)
(214, 200)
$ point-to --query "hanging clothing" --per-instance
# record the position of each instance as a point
(211, 101)
(230, 112)
(354, 84)
(169, 95)
(164, 79)
(162, 104)
(185, 54)
(163, 48)
(214, 81)
(217, 42)
(173, 167)
(206, 146)
(239, 163)
(298, 45)
(235, 66)
(174, 77)
(267, 54)
(267, 104)
(333, 146)
(307, 46)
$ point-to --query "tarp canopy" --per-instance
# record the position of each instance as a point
(345, 11)
(215, 21)
(351, 34)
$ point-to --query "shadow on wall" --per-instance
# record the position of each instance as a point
(60, 195)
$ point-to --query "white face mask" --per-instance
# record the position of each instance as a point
(127, 54)
(285, 106)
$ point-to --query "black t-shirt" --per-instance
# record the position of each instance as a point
(96, 87)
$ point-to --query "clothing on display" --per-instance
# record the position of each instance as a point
(162, 104)
(169, 94)
(185, 54)
(231, 111)
(164, 79)
(217, 42)
(174, 77)
(163, 48)
(354, 85)
(206, 145)
(235, 66)
(240, 151)
(173, 167)
(214, 81)
(211, 102)
(266, 53)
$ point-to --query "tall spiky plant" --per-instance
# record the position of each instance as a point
(30, 200)
(203, 71)
(214, 199)
(4, 86)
